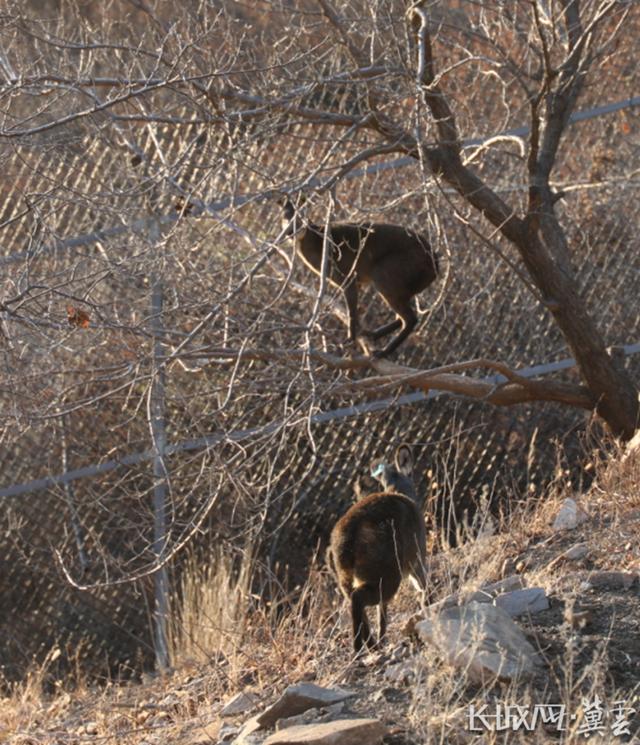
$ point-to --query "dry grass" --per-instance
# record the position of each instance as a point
(225, 640)
(212, 615)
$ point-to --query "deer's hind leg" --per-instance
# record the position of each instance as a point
(395, 289)
(407, 322)
(361, 597)
(350, 291)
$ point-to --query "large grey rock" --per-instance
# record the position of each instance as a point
(298, 698)
(477, 596)
(517, 602)
(339, 732)
(483, 640)
(569, 516)
(449, 601)
(484, 595)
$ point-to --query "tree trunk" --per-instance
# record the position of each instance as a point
(612, 387)
(538, 237)
(536, 240)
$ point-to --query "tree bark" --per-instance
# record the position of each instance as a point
(608, 381)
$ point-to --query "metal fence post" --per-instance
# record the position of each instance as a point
(157, 423)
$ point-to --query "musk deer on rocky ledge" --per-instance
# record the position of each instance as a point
(380, 540)
(398, 262)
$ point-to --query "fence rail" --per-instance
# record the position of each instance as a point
(218, 206)
(216, 438)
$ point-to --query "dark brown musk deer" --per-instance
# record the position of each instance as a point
(398, 262)
(377, 542)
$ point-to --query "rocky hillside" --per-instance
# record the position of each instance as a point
(533, 635)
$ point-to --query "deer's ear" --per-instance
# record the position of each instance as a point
(404, 460)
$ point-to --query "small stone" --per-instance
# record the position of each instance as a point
(298, 698)
(517, 602)
(340, 732)
(612, 579)
(569, 516)
(241, 703)
(576, 552)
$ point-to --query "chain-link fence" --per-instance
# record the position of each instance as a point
(262, 452)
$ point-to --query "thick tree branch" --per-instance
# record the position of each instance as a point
(517, 389)
(539, 238)
(445, 158)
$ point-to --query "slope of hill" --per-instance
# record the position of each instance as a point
(588, 641)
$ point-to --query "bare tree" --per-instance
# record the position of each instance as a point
(116, 117)
(546, 50)
(367, 70)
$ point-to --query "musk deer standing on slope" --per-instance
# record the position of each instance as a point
(380, 540)
(398, 262)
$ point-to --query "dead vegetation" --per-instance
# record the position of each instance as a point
(589, 639)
